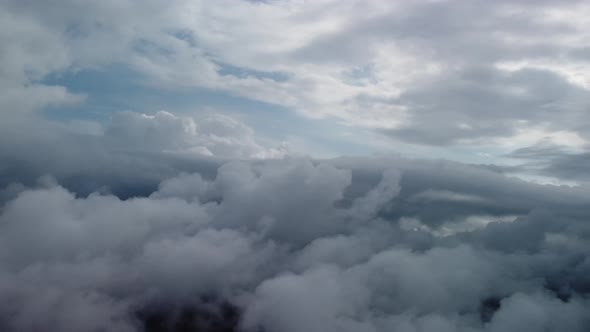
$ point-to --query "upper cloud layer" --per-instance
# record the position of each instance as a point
(398, 66)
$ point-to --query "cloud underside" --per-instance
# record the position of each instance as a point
(178, 243)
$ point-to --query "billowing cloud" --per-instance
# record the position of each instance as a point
(214, 135)
(297, 244)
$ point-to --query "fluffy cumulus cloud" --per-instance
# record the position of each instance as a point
(348, 244)
(214, 135)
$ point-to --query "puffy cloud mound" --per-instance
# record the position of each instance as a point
(214, 135)
(366, 244)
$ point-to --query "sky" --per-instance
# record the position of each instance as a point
(295, 165)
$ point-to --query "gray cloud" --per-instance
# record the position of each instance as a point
(484, 102)
(295, 244)
(129, 156)
(553, 160)
(480, 70)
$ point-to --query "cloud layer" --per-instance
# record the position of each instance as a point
(518, 67)
(367, 244)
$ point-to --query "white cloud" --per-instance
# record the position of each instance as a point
(214, 135)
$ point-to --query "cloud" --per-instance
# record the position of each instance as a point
(405, 65)
(294, 244)
(482, 103)
(214, 135)
(159, 221)
(553, 160)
